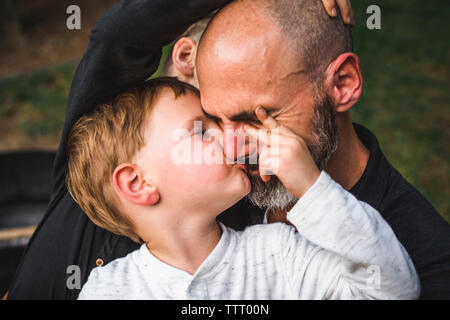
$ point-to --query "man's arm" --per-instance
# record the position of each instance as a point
(124, 50)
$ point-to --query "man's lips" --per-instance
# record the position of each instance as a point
(252, 169)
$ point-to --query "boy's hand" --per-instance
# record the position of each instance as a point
(283, 154)
(345, 8)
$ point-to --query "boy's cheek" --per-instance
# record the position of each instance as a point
(187, 167)
(205, 174)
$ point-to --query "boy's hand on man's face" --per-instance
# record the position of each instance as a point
(284, 154)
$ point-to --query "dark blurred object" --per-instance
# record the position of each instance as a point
(24, 193)
(34, 34)
(10, 28)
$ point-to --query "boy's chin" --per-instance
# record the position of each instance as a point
(234, 190)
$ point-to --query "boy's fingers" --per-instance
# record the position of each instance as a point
(330, 7)
(265, 174)
(266, 119)
(268, 168)
(259, 134)
(346, 10)
(353, 18)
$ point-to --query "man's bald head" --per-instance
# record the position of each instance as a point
(314, 38)
(287, 56)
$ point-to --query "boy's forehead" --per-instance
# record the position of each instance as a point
(178, 109)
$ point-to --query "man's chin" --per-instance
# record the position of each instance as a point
(269, 195)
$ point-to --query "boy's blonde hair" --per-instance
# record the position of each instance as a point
(103, 139)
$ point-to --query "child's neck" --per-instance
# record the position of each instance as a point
(185, 246)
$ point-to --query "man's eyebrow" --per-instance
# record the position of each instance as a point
(210, 116)
(244, 116)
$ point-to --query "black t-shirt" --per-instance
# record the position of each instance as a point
(124, 50)
(417, 225)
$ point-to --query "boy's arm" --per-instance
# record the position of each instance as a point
(347, 240)
(352, 251)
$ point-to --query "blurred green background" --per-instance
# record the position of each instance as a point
(405, 99)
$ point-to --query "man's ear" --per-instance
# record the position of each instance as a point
(344, 81)
(129, 182)
(183, 56)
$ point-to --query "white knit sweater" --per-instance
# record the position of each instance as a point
(343, 250)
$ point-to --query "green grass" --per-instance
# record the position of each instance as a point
(405, 99)
(35, 104)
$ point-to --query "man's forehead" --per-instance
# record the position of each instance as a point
(237, 98)
(237, 43)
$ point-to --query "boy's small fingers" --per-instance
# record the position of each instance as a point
(265, 118)
(346, 10)
(259, 134)
(330, 7)
(267, 166)
(353, 18)
(264, 172)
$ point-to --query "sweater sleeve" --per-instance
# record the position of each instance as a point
(344, 249)
(124, 50)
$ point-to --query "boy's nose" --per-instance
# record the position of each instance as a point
(237, 146)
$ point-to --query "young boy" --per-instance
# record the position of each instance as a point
(123, 175)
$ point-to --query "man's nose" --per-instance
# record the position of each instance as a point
(238, 146)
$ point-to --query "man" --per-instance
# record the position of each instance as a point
(349, 152)
(119, 58)
(292, 59)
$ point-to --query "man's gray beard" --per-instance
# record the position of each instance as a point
(273, 194)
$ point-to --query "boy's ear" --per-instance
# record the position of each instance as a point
(183, 56)
(129, 182)
(344, 81)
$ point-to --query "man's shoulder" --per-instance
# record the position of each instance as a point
(401, 198)
(416, 224)
(414, 220)
(382, 185)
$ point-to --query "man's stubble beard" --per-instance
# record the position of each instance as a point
(273, 194)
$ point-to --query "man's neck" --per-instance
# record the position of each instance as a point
(347, 164)
(185, 245)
